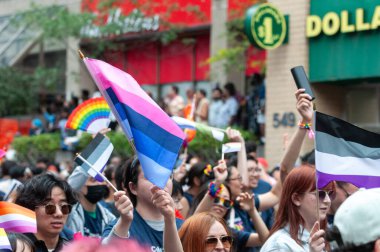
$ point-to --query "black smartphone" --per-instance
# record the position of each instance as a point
(301, 80)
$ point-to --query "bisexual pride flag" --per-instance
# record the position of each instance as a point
(346, 153)
(157, 138)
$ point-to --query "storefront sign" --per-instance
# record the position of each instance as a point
(332, 23)
(265, 26)
(344, 36)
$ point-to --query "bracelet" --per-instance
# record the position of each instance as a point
(304, 125)
(308, 127)
(213, 190)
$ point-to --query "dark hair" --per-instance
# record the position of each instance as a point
(309, 158)
(230, 87)
(218, 89)
(119, 176)
(175, 89)
(131, 174)
(177, 188)
(203, 92)
(250, 157)
(333, 236)
(37, 190)
(17, 172)
(14, 237)
(6, 166)
(250, 146)
(196, 171)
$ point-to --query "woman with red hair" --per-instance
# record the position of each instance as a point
(205, 232)
(296, 226)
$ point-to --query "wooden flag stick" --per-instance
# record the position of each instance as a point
(101, 175)
(81, 55)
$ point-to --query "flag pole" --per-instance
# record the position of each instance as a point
(222, 155)
(99, 173)
(316, 176)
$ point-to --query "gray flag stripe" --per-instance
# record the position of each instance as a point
(337, 146)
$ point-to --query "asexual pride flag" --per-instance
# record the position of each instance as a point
(345, 152)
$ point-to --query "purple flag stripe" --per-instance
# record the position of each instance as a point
(358, 180)
(17, 223)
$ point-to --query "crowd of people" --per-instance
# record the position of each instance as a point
(231, 205)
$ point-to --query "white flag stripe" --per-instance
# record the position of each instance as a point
(4, 241)
(231, 147)
(183, 123)
(12, 217)
(218, 135)
(101, 161)
(333, 164)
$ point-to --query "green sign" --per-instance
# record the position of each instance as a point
(344, 37)
(265, 26)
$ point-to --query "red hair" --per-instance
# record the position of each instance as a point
(194, 231)
(299, 181)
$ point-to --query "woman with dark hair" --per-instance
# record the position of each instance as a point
(194, 179)
(51, 198)
(205, 232)
(296, 227)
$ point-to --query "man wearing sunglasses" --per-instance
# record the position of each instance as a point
(51, 198)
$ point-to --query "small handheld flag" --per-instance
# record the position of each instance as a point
(345, 152)
(18, 219)
(90, 116)
(5, 245)
(95, 156)
(230, 147)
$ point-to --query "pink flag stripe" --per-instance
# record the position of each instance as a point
(9, 225)
(109, 75)
(2, 153)
(153, 113)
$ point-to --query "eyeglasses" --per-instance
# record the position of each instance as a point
(51, 209)
(258, 170)
(240, 178)
(223, 202)
(212, 242)
(322, 194)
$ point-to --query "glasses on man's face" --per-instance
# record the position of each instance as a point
(223, 202)
(322, 194)
(251, 169)
(212, 242)
(51, 209)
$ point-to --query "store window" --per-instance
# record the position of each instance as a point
(363, 105)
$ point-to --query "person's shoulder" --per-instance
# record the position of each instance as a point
(279, 241)
(262, 187)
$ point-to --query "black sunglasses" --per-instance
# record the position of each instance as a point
(223, 202)
(212, 242)
(322, 194)
(51, 209)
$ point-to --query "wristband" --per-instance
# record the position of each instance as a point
(308, 127)
(213, 190)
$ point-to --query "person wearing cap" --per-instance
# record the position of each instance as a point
(356, 224)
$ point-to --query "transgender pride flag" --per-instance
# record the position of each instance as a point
(346, 153)
(156, 137)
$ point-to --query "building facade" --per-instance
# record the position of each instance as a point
(336, 42)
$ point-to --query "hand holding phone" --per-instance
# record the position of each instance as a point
(301, 80)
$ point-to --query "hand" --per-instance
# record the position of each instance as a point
(164, 202)
(304, 105)
(316, 240)
(220, 172)
(124, 206)
(103, 132)
(234, 135)
(246, 201)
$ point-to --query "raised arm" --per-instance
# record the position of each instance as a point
(165, 204)
(236, 136)
(247, 203)
(220, 173)
(305, 109)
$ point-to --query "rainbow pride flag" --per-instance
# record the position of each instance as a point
(157, 138)
(91, 116)
(5, 245)
(18, 219)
